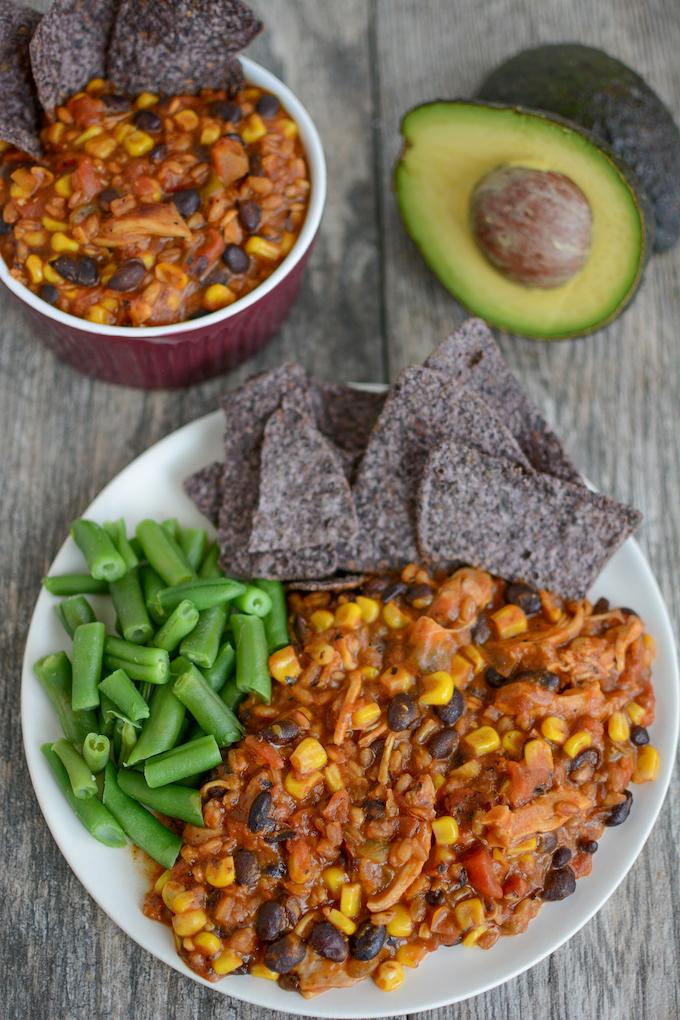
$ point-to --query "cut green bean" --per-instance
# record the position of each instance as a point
(163, 553)
(127, 738)
(55, 677)
(210, 567)
(254, 601)
(117, 532)
(88, 650)
(181, 622)
(151, 585)
(219, 672)
(119, 688)
(146, 831)
(173, 800)
(179, 665)
(252, 670)
(83, 783)
(171, 526)
(207, 708)
(74, 584)
(97, 819)
(130, 607)
(182, 762)
(96, 751)
(157, 674)
(231, 695)
(203, 644)
(163, 727)
(103, 559)
(74, 611)
(146, 690)
(204, 594)
(193, 542)
(107, 717)
(276, 620)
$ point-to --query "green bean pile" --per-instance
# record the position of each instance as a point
(145, 713)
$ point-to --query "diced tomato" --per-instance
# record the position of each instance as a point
(85, 110)
(516, 887)
(86, 180)
(211, 249)
(524, 781)
(480, 871)
(229, 160)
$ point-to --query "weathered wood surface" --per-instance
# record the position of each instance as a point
(368, 307)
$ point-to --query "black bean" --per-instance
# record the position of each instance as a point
(639, 736)
(249, 215)
(115, 104)
(246, 867)
(105, 197)
(494, 678)
(374, 809)
(280, 732)
(226, 110)
(591, 757)
(547, 842)
(271, 921)
(187, 202)
(280, 837)
(481, 631)
(561, 857)
(258, 816)
(528, 599)
(128, 276)
(559, 883)
(618, 815)
(5, 228)
(376, 585)
(401, 712)
(289, 982)
(328, 942)
(235, 137)
(285, 953)
(277, 869)
(544, 677)
(49, 293)
(255, 168)
(588, 846)
(235, 259)
(393, 591)
(451, 712)
(158, 153)
(79, 269)
(147, 120)
(293, 909)
(435, 897)
(421, 593)
(601, 606)
(367, 941)
(267, 106)
(443, 744)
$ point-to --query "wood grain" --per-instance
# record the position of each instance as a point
(368, 307)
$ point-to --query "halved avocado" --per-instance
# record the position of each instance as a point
(450, 147)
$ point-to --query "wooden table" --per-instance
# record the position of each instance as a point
(368, 307)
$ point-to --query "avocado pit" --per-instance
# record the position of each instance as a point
(534, 226)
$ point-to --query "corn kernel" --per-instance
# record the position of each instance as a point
(188, 119)
(227, 962)
(110, 303)
(63, 186)
(483, 740)
(394, 617)
(397, 680)
(618, 727)
(88, 133)
(474, 655)
(389, 975)
(526, 846)
(168, 272)
(61, 242)
(218, 295)
(401, 925)
(442, 855)
(207, 943)
(35, 238)
(577, 743)
(513, 742)
(340, 921)
(322, 654)
(321, 620)
(365, 715)
(334, 879)
(210, 134)
(188, 944)
(348, 615)
(438, 779)
(445, 830)
(97, 313)
(55, 132)
(287, 242)
(469, 913)
(370, 608)
(147, 258)
(288, 128)
(636, 713)
(411, 954)
(121, 131)
(161, 880)
(333, 778)
(647, 766)
(169, 891)
(369, 672)
(555, 729)
(146, 99)
(95, 85)
(537, 754)
(53, 225)
(185, 901)
(253, 129)
(469, 770)
(499, 856)
(259, 970)
(461, 671)
(220, 873)
(350, 899)
(438, 688)
(509, 622)
(284, 665)
(308, 756)
(260, 248)
(51, 275)
(473, 936)
(138, 143)
(190, 922)
(102, 147)
(34, 266)
(300, 787)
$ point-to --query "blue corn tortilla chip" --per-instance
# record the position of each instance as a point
(338, 582)
(346, 416)
(179, 46)
(19, 112)
(69, 48)
(520, 524)
(204, 488)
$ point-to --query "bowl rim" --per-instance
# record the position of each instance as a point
(255, 75)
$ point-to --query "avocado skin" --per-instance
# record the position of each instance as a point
(590, 88)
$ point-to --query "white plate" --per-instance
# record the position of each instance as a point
(152, 487)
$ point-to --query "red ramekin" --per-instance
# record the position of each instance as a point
(188, 352)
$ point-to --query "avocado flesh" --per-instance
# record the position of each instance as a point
(609, 99)
(449, 148)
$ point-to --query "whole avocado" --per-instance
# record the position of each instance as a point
(590, 88)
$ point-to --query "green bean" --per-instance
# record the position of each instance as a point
(83, 783)
(96, 751)
(181, 622)
(179, 665)
(231, 695)
(128, 602)
(88, 650)
(146, 831)
(127, 740)
(146, 690)
(162, 728)
(252, 670)
(74, 584)
(210, 567)
(151, 585)
(117, 532)
(207, 708)
(97, 819)
(193, 542)
(54, 675)
(204, 594)
(107, 717)
(119, 688)
(157, 674)
(253, 601)
(203, 644)
(74, 611)
(173, 800)
(217, 675)
(183, 761)
(163, 553)
(138, 654)
(276, 620)
(171, 526)
(103, 559)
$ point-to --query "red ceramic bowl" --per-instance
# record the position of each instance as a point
(188, 352)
